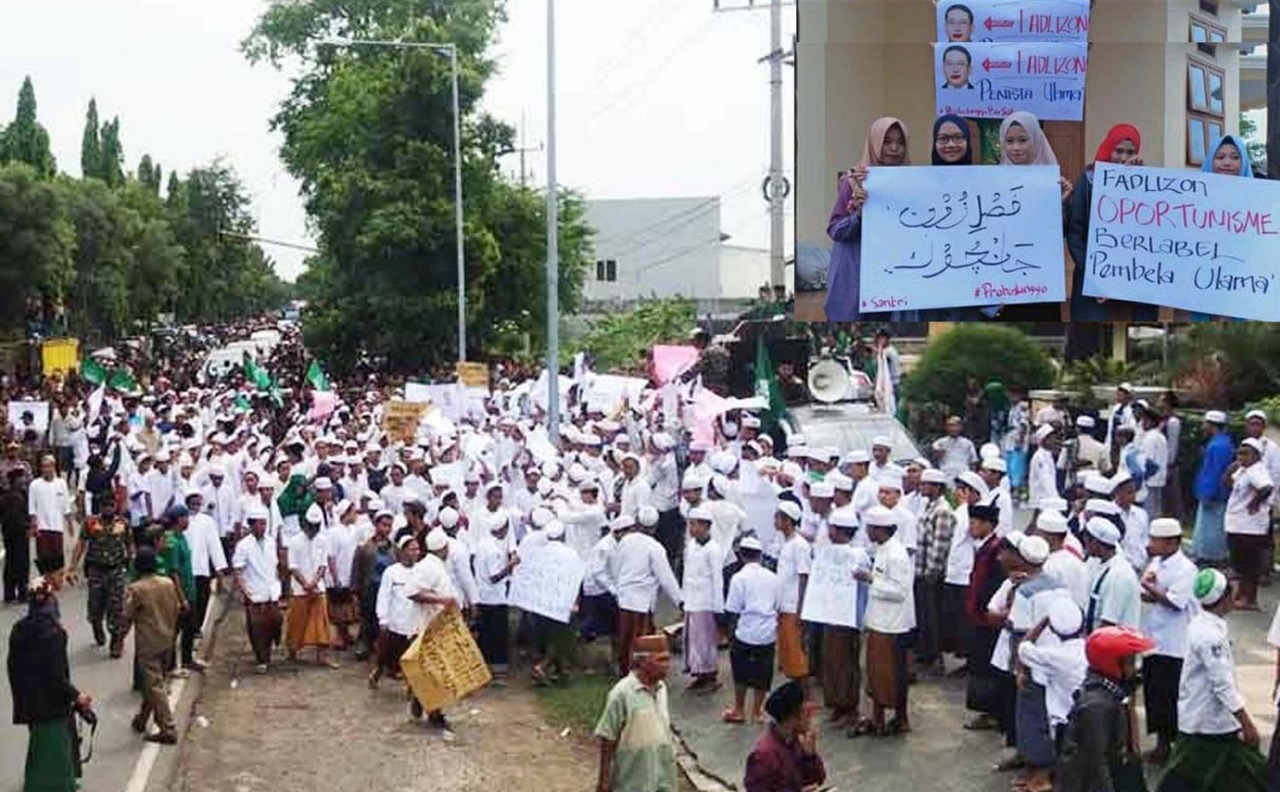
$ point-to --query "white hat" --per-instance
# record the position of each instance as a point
(315, 514)
(879, 516)
(933, 476)
(448, 517)
(544, 487)
(622, 522)
(1100, 506)
(1216, 417)
(693, 480)
(662, 441)
(217, 470)
(840, 481)
(555, 530)
(343, 507)
(822, 489)
(789, 508)
(1065, 616)
(1259, 414)
(1044, 431)
(1121, 478)
(1210, 586)
(995, 463)
(816, 454)
(881, 441)
(589, 483)
(889, 481)
(856, 457)
(844, 517)
(1099, 484)
(701, 513)
(191, 492)
(1051, 522)
(750, 543)
(404, 540)
(1052, 505)
(1103, 530)
(437, 539)
(1165, 528)
(541, 516)
(1255, 444)
(323, 483)
(647, 516)
(973, 482)
(380, 513)
(256, 511)
(1085, 421)
(700, 447)
(988, 450)
(1034, 550)
(1126, 387)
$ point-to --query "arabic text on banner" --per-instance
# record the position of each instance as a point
(953, 237)
(1013, 20)
(994, 80)
(1196, 241)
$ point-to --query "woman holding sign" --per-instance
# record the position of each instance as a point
(1229, 159)
(1122, 146)
(1023, 142)
(953, 145)
(886, 146)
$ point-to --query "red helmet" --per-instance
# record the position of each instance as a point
(1108, 646)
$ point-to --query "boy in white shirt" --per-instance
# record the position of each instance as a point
(493, 567)
(1053, 654)
(890, 618)
(703, 594)
(398, 616)
(753, 596)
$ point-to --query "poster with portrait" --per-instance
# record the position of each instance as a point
(27, 416)
(994, 80)
(966, 21)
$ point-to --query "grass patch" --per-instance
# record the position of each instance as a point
(577, 704)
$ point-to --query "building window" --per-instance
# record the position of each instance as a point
(607, 270)
(1205, 31)
(1206, 108)
(1209, 7)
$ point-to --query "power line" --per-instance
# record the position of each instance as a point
(266, 241)
(716, 240)
(634, 38)
(680, 219)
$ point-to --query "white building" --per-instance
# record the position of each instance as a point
(667, 247)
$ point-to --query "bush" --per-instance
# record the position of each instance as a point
(981, 351)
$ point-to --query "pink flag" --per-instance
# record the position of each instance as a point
(670, 362)
(323, 403)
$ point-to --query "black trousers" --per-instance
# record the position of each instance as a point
(494, 633)
(202, 602)
(1161, 676)
(187, 635)
(17, 562)
(670, 534)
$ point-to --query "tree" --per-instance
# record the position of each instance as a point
(369, 133)
(983, 352)
(618, 341)
(149, 174)
(91, 144)
(112, 171)
(35, 240)
(25, 140)
(1256, 145)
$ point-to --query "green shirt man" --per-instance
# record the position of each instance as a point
(637, 751)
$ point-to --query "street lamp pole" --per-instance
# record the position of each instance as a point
(452, 51)
(553, 251)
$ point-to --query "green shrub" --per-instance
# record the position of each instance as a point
(984, 352)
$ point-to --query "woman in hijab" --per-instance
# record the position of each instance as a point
(1227, 158)
(886, 146)
(1121, 146)
(1022, 142)
(953, 145)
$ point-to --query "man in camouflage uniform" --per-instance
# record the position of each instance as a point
(713, 364)
(106, 548)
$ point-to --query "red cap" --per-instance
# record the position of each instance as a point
(1107, 647)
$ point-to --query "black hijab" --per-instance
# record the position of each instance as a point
(964, 130)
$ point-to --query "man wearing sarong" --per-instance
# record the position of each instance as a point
(842, 645)
(1209, 541)
(795, 559)
(639, 568)
(1217, 746)
(703, 594)
(254, 565)
(890, 622)
(310, 565)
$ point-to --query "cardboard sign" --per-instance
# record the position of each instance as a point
(949, 237)
(24, 415)
(547, 582)
(832, 596)
(443, 664)
(994, 80)
(473, 375)
(400, 419)
(1197, 241)
(1013, 20)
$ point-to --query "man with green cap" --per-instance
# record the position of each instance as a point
(1217, 745)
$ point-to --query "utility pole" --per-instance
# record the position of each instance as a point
(1273, 91)
(776, 187)
(553, 242)
(522, 150)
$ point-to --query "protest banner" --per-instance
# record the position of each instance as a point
(547, 582)
(323, 403)
(1197, 241)
(473, 375)
(449, 398)
(670, 361)
(1013, 20)
(832, 594)
(605, 393)
(400, 419)
(950, 237)
(994, 80)
(28, 415)
(443, 664)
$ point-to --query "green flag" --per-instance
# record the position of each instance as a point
(767, 386)
(121, 380)
(255, 373)
(92, 371)
(242, 403)
(315, 375)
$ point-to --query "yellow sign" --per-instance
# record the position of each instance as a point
(59, 355)
(400, 419)
(474, 375)
(443, 664)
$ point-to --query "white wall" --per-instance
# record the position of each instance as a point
(663, 247)
(743, 270)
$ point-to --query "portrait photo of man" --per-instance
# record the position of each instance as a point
(958, 22)
(957, 65)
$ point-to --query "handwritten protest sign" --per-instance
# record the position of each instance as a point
(443, 664)
(400, 419)
(547, 582)
(449, 398)
(473, 375)
(831, 596)
(948, 237)
(1197, 241)
(1013, 20)
(994, 80)
(606, 392)
(28, 415)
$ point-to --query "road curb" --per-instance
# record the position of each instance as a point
(699, 777)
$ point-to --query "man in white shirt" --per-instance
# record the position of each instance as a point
(459, 561)
(753, 596)
(639, 568)
(399, 618)
(1042, 475)
(1136, 521)
(795, 559)
(254, 565)
(1248, 519)
(49, 508)
(905, 521)
(1153, 446)
(219, 498)
(1167, 585)
(432, 589)
(992, 472)
(599, 592)
(494, 564)
(890, 615)
(1213, 724)
(636, 491)
(954, 453)
(664, 487)
(1113, 587)
(159, 485)
(703, 594)
(207, 557)
(1064, 565)
(312, 570)
(1121, 413)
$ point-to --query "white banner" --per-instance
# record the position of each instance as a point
(606, 392)
(547, 583)
(1197, 241)
(950, 237)
(832, 595)
(994, 80)
(1013, 20)
(28, 415)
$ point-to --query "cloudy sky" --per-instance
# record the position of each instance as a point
(657, 97)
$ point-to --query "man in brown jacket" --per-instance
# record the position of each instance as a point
(152, 605)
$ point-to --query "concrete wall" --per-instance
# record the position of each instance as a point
(663, 247)
(743, 271)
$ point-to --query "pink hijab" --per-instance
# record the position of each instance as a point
(875, 141)
(1039, 143)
